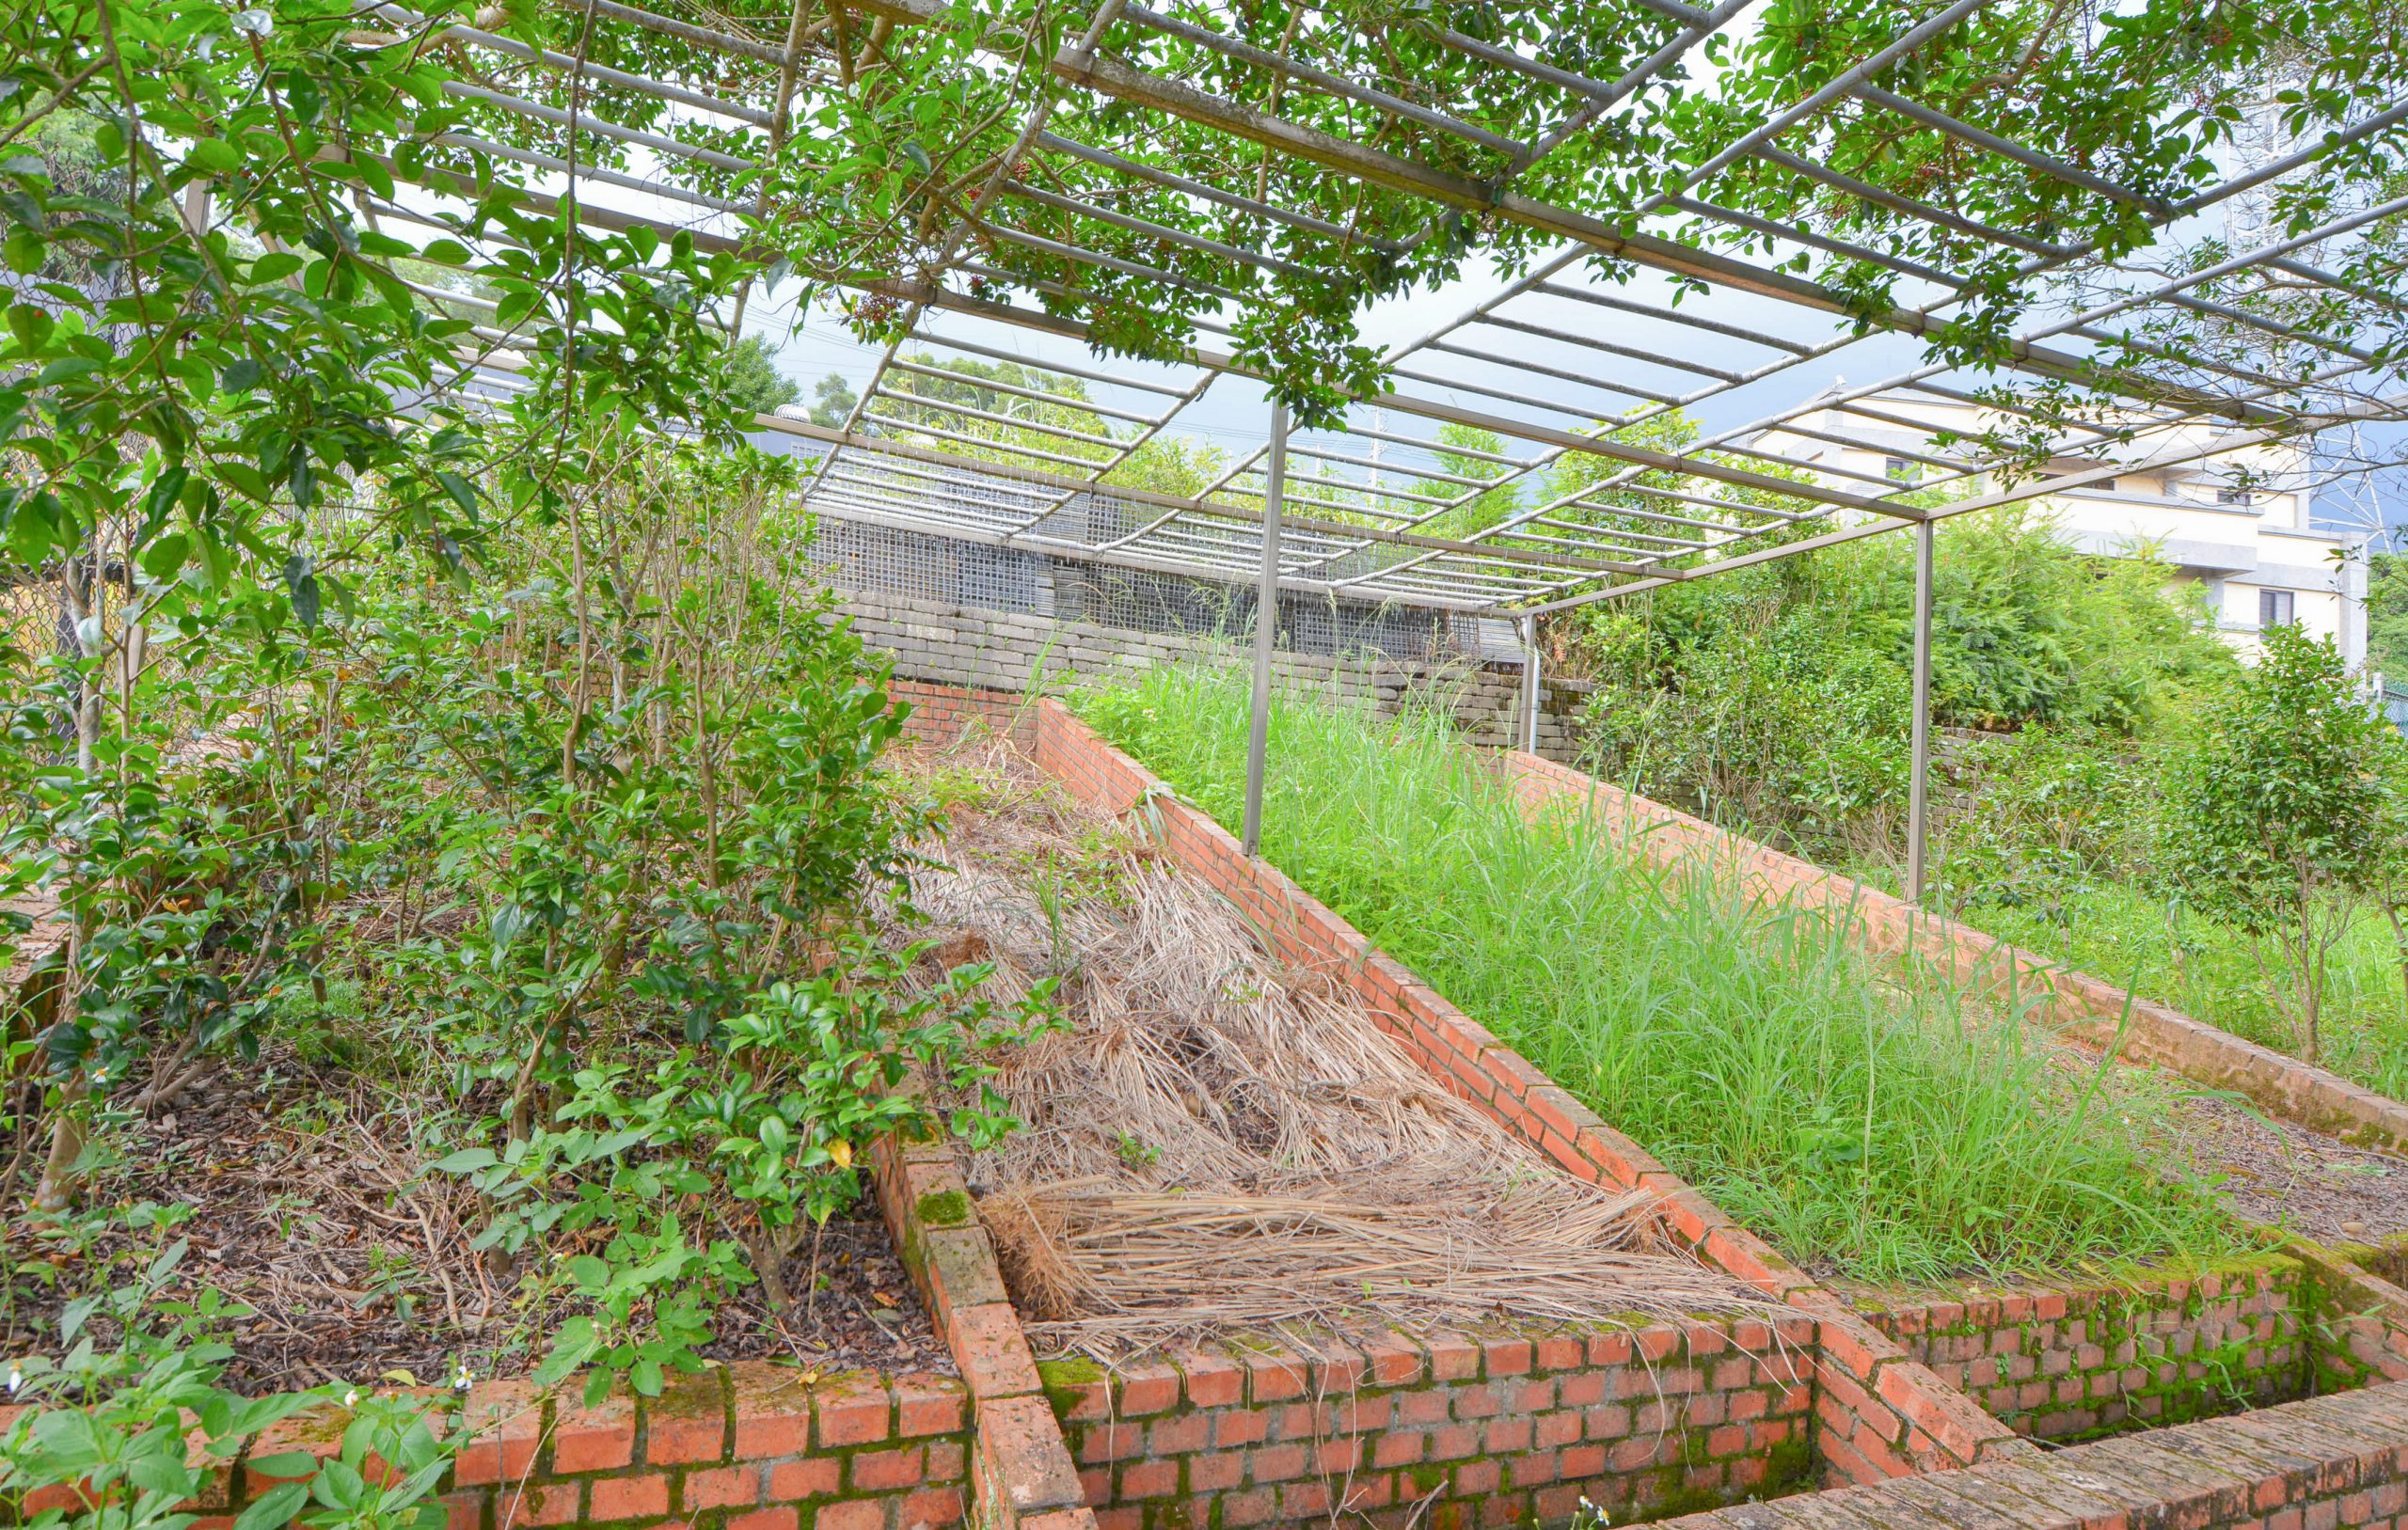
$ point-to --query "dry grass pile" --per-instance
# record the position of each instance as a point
(1211, 1144)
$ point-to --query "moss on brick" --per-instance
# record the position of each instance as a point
(1065, 1382)
(944, 1208)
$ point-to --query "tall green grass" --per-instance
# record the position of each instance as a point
(1861, 1126)
(2223, 977)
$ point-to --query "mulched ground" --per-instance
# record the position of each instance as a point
(355, 1269)
(2285, 1175)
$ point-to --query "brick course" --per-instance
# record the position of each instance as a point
(2063, 1365)
(1446, 1431)
(533, 1460)
(2325, 1463)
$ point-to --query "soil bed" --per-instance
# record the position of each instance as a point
(2281, 1174)
(1213, 1145)
(306, 1212)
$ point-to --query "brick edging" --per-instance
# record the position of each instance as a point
(2326, 1461)
(2082, 1005)
(1878, 1411)
(1023, 1475)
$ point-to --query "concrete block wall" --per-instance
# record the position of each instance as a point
(978, 647)
(1445, 1430)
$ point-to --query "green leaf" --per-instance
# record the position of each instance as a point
(463, 492)
(247, 481)
(466, 1161)
(24, 251)
(163, 557)
(31, 325)
(275, 1506)
(512, 307)
(275, 266)
(372, 171)
(215, 156)
(240, 376)
(160, 501)
(303, 585)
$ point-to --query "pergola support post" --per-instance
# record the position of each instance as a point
(1266, 628)
(1529, 625)
(1918, 786)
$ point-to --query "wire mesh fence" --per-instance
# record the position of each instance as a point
(933, 531)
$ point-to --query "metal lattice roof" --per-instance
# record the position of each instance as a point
(1187, 158)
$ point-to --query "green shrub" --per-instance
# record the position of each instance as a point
(1779, 696)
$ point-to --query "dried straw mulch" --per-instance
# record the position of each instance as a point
(1214, 1145)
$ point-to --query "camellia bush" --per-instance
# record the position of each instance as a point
(491, 743)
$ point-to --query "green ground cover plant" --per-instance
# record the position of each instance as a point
(1862, 1127)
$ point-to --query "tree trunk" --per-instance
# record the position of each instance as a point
(56, 1191)
(2399, 945)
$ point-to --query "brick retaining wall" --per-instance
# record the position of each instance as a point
(2080, 1005)
(752, 1444)
(2069, 1363)
(1443, 1429)
(748, 1446)
(1453, 1432)
(2316, 1465)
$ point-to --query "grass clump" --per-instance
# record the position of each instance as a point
(1857, 1123)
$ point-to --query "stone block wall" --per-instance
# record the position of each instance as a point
(1444, 1429)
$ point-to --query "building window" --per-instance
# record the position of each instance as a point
(1900, 470)
(2275, 609)
(2232, 497)
(2103, 484)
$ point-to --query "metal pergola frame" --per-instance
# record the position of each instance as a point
(1568, 375)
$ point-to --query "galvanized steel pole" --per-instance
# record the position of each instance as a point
(1529, 625)
(1266, 628)
(1918, 789)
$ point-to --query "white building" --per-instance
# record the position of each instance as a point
(2238, 524)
